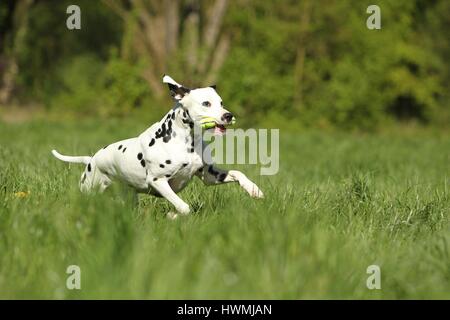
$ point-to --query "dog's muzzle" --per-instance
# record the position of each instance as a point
(211, 123)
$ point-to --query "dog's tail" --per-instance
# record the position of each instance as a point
(81, 159)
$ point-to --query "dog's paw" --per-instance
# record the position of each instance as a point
(183, 209)
(256, 193)
(172, 215)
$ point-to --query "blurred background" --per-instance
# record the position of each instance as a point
(276, 63)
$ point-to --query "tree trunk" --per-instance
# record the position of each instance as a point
(10, 65)
(171, 8)
(301, 52)
(211, 32)
(160, 36)
(191, 41)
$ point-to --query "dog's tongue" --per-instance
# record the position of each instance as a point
(219, 130)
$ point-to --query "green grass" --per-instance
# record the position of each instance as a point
(340, 203)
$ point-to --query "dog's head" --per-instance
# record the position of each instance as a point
(204, 105)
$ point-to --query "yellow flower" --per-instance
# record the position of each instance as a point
(22, 194)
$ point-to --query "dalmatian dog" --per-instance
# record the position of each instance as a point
(163, 159)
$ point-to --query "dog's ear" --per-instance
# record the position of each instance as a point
(213, 86)
(176, 90)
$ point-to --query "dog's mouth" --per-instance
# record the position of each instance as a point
(211, 124)
(219, 129)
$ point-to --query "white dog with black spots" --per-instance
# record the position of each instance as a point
(163, 159)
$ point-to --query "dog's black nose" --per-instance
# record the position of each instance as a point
(227, 117)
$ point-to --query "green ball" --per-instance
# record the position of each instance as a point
(208, 125)
(212, 124)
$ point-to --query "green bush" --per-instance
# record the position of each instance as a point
(123, 87)
(89, 86)
(351, 77)
(80, 83)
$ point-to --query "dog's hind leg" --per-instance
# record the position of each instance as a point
(104, 183)
(93, 180)
(211, 175)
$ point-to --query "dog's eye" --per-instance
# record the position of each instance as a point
(206, 104)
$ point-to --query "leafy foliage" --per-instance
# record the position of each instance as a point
(305, 62)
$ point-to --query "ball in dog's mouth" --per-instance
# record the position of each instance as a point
(208, 123)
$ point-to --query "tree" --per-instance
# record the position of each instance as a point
(15, 34)
(304, 27)
(184, 36)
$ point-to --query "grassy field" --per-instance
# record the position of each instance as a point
(340, 203)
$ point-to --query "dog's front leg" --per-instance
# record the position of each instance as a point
(211, 175)
(164, 189)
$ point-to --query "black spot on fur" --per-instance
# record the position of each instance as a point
(222, 177)
(168, 161)
(185, 164)
(143, 162)
(173, 115)
(161, 165)
(89, 167)
(200, 170)
(154, 179)
(212, 171)
(165, 132)
(191, 150)
(152, 142)
(120, 147)
(124, 150)
(167, 175)
(139, 156)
